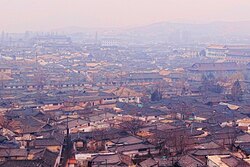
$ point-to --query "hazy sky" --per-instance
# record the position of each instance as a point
(20, 15)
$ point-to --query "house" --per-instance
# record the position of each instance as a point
(99, 121)
(25, 128)
(244, 149)
(208, 145)
(202, 154)
(51, 104)
(53, 141)
(244, 124)
(215, 161)
(226, 69)
(183, 161)
(95, 98)
(13, 154)
(74, 124)
(216, 51)
(111, 159)
(244, 138)
(5, 73)
(35, 157)
(135, 149)
(143, 78)
(190, 161)
(229, 53)
(150, 162)
(225, 161)
(226, 51)
(87, 142)
(124, 141)
(126, 95)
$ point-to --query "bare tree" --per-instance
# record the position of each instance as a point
(232, 137)
(132, 126)
(156, 95)
(4, 122)
(99, 138)
(236, 91)
(172, 144)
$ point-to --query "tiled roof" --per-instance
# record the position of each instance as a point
(227, 66)
(131, 147)
(124, 92)
(127, 140)
(190, 161)
(148, 163)
(20, 163)
(206, 152)
(107, 159)
(13, 152)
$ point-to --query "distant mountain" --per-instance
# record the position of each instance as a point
(75, 29)
(213, 27)
(242, 27)
(183, 31)
(220, 32)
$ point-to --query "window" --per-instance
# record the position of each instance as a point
(142, 149)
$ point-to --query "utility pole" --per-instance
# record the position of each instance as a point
(66, 153)
(67, 127)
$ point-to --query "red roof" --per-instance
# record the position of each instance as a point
(72, 161)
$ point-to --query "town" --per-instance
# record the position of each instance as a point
(108, 103)
(124, 83)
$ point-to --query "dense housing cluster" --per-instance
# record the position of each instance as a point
(65, 102)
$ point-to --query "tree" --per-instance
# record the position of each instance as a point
(156, 95)
(99, 137)
(4, 123)
(232, 136)
(236, 91)
(209, 83)
(184, 91)
(202, 53)
(173, 143)
(132, 126)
